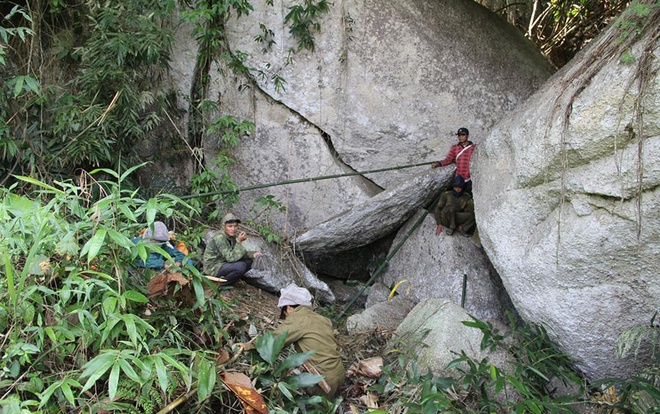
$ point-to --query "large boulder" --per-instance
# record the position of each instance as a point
(426, 265)
(435, 333)
(387, 85)
(567, 195)
(376, 217)
(386, 315)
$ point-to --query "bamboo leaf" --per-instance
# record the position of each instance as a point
(152, 210)
(135, 296)
(113, 381)
(40, 184)
(127, 212)
(68, 394)
(93, 245)
(304, 380)
(48, 392)
(176, 364)
(106, 171)
(130, 328)
(161, 372)
(121, 240)
(199, 293)
(18, 87)
(129, 371)
(283, 388)
(130, 171)
(293, 361)
(97, 367)
(204, 386)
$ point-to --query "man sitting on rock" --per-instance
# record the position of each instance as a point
(455, 210)
(225, 256)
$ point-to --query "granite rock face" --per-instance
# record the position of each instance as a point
(567, 196)
(388, 85)
(427, 265)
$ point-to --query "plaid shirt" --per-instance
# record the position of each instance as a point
(462, 161)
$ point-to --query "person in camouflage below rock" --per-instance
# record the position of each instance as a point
(455, 210)
(225, 256)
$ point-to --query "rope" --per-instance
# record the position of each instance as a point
(304, 180)
(382, 265)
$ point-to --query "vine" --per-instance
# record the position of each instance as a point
(614, 45)
(304, 20)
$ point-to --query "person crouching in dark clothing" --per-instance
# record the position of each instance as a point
(455, 210)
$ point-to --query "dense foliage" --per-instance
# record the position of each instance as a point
(559, 28)
(80, 77)
(80, 333)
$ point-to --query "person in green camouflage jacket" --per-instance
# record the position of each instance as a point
(225, 256)
(309, 331)
(455, 210)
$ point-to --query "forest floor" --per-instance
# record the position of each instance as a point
(259, 308)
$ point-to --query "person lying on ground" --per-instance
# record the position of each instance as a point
(158, 233)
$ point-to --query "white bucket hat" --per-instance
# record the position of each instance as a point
(294, 295)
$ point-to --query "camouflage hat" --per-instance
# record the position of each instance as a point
(230, 218)
(294, 295)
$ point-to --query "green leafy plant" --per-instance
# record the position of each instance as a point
(279, 375)
(304, 19)
(91, 104)
(262, 217)
(639, 393)
(266, 38)
(526, 385)
(73, 305)
(407, 389)
(6, 32)
(476, 385)
(630, 22)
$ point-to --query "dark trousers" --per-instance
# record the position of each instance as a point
(452, 219)
(233, 271)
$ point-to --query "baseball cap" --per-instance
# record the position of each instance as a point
(463, 131)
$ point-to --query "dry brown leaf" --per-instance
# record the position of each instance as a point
(223, 356)
(159, 285)
(371, 367)
(241, 385)
(370, 400)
